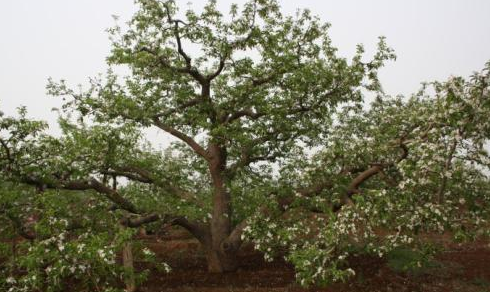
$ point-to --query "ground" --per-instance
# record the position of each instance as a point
(459, 268)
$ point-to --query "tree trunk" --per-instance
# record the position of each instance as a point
(220, 261)
(127, 255)
(221, 257)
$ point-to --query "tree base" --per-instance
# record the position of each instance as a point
(220, 262)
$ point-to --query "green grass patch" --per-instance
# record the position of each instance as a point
(411, 261)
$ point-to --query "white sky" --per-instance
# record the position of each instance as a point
(433, 39)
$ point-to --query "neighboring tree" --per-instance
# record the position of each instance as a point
(273, 145)
(68, 235)
(388, 173)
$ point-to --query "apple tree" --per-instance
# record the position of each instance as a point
(238, 91)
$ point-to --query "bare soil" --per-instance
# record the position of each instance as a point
(460, 268)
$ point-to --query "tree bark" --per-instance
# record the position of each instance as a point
(220, 255)
(220, 258)
(221, 261)
(127, 255)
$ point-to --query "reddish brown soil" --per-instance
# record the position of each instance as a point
(463, 268)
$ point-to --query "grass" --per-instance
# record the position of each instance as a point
(411, 261)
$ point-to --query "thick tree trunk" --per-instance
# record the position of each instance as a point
(220, 261)
(221, 257)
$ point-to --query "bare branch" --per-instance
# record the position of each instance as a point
(141, 175)
(362, 177)
(131, 172)
(82, 185)
(221, 66)
(188, 61)
(141, 220)
(188, 140)
(182, 70)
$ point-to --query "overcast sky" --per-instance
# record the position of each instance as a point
(433, 39)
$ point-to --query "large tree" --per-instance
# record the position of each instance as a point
(237, 89)
(251, 97)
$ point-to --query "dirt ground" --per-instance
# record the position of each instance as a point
(460, 268)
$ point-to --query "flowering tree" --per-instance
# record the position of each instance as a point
(67, 235)
(386, 174)
(231, 103)
(251, 107)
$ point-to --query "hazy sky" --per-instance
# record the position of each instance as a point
(66, 39)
